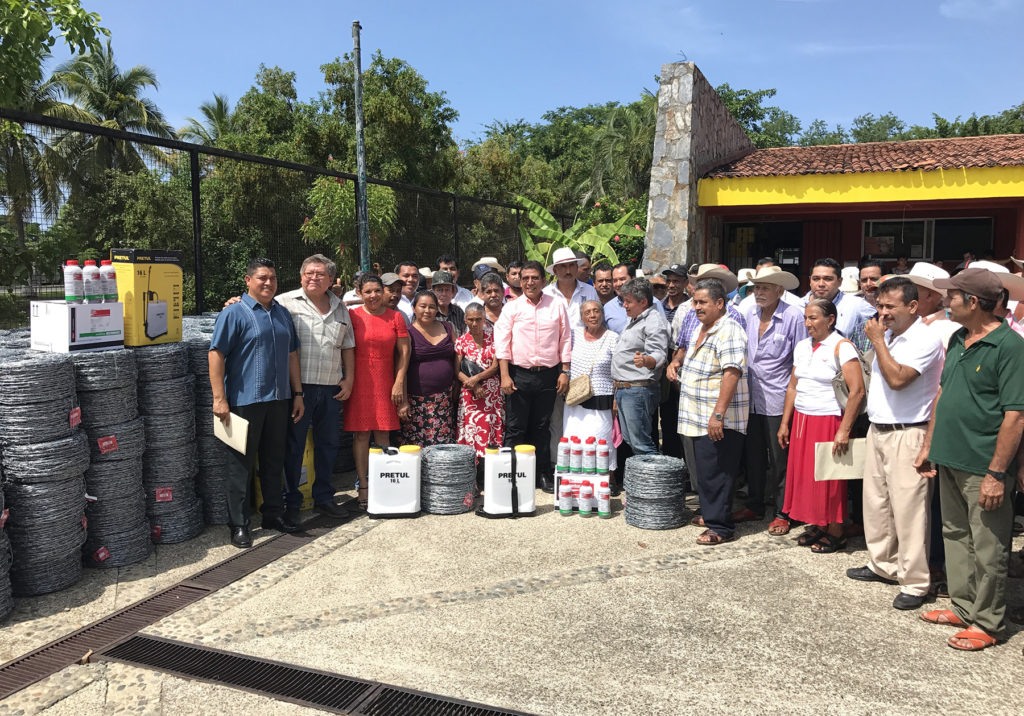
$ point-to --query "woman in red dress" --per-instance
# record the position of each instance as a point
(379, 384)
(817, 417)
(481, 407)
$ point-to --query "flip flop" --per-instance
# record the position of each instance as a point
(979, 640)
(943, 616)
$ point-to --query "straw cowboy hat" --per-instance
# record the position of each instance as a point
(723, 274)
(745, 276)
(564, 255)
(777, 277)
(924, 274)
(851, 280)
(489, 261)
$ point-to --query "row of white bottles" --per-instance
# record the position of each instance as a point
(589, 456)
(581, 495)
(91, 283)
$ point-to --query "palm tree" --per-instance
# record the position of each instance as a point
(31, 173)
(622, 152)
(219, 121)
(110, 98)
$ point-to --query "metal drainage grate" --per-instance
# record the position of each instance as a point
(299, 685)
(29, 668)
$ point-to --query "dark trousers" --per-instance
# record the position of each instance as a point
(765, 465)
(528, 411)
(323, 412)
(668, 414)
(718, 462)
(268, 430)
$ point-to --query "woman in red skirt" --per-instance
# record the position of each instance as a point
(816, 417)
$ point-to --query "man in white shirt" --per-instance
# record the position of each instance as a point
(566, 288)
(463, 296)
(905, 380)
(853, 311)
(410, 274)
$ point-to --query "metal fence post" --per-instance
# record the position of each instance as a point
(197, 232)
(455, 226)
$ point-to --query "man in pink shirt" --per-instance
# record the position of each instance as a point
(533, 343)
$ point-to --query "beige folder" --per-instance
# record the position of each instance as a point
(848, 466)
(234, 433)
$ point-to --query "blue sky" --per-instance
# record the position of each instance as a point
(828, 59)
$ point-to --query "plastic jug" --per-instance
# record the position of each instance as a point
(91, 282)
(499, 498)
(394, 481)
(74, 287)
(108, 280)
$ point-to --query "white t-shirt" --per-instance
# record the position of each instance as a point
(919, 348)
(814, 372)
(943, 329)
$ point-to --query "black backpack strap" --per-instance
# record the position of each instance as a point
(515, 486)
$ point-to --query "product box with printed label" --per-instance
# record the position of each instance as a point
(60, 327)
(149, 284)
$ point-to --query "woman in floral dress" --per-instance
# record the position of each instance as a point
(481, 406)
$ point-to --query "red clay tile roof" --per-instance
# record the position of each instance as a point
(918, 154)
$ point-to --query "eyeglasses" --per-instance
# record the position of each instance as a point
(315, 274)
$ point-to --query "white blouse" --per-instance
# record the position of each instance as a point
(597, 354)
(814, 371)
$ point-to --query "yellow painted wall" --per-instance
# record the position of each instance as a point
(937, 185)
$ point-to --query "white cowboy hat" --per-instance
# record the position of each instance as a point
(745, 275)
(563, 255)
(489, 261)
(851, 280)
(924, 274)
(776, 276)
(724, 275)
(1013, 283)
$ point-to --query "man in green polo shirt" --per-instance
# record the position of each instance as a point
(972, 440)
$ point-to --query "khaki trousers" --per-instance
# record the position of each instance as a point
(977, 549)
(896, 509)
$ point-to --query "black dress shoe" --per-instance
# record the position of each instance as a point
(330, 509)
(547, 484)
(863, 574)
(614, 487)
(240, 537)
(907, 601)
(281, 524)
(292, 515)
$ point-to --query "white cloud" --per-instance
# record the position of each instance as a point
(973, 9)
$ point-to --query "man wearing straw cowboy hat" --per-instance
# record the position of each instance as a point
(774, 327)
(566, 288)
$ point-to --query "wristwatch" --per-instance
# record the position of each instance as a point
(296, 393)
(718, 416)
(997, 475)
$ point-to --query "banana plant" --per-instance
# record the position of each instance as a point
(545, 235)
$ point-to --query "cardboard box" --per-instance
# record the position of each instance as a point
(149, 284)
(59, 327)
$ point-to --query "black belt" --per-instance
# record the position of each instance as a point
(890, 427)
(624, 384)
(536, 368)
(598, 402)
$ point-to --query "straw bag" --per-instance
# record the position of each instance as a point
(580, 389)
(842, 390)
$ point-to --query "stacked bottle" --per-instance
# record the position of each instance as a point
(74, 290)
(91, 283)
(581, 477)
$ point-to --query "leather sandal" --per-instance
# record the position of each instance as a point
(943, 616)
(778, 527)
(811, 535)
(978, 639)
(710, 538)
(827, 544)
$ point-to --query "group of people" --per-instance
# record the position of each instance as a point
(744, 382)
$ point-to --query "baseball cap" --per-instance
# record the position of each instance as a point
(390, 279)
(442, 278)
(978, 282)
(482, 270)
(677, 269)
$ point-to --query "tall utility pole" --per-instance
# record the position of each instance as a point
(362, 222)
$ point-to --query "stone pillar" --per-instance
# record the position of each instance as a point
(694, 133)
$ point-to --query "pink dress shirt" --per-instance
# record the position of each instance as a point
(533, 335)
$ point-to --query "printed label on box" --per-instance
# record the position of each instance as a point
(107, 444)
(164, 494)
(75, 417)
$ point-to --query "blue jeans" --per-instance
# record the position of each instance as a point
(637, 408)
(324, 412)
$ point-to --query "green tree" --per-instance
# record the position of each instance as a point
(623, 150)
(869, 128)
(27, 36)
(217, 122)
(766, 125)
(407, 130)
(818, 133)
(113, 99)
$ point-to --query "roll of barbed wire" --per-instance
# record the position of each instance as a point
(36, 378)
(173, 463)
(6, 599)
(18, 338)
(118, 549)
(108, 407)
(161, 362)
(103, 370)
(199, 353)
(47, 529)
(654, 492)
(47, 462)
(167, 429)
(447, 479)
(114, 443)
(178, 525)
(211, 485)
(173, 395)
(118, 528)
(37, 422)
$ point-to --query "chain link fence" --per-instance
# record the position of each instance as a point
(71, 190)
